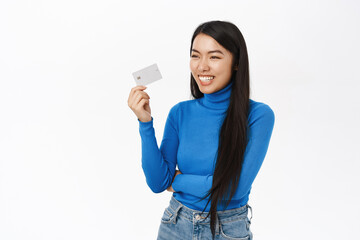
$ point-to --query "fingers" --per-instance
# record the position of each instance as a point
(136, 95)
(135, 89)
(170, 189)
(142, 103)
(142, 94)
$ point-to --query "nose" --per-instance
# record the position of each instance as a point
(203, 65)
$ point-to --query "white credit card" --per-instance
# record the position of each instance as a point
(147, 75)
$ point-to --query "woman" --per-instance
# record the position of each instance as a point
(219, 140)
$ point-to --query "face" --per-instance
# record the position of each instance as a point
(210, 64)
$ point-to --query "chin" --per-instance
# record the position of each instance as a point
(206, 90)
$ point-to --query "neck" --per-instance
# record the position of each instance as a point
(218, 100)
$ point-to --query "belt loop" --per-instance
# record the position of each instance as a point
(250, 210)
(176, 212)
(217, 225)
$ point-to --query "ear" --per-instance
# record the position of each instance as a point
(236, 67)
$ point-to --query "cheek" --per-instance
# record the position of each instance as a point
(224, 68)
(192, 66)
(218, 68)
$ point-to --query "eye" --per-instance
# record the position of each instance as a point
(193, 56)
(214, 57)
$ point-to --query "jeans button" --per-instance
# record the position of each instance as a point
(197, 217)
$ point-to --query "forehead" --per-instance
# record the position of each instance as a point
(205, 43)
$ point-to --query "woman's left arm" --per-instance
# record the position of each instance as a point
(260, 131)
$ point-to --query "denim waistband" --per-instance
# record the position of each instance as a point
(196, 216)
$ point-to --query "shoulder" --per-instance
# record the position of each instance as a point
(182, 106)
(179, 110)
(260, 111)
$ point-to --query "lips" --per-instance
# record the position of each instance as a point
(206, 77)
(206, 80)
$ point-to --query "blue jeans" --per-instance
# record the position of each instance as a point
(181, 222)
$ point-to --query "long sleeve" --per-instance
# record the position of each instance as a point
(159, 164)
(260, 131)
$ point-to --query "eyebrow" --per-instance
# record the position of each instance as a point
(213, 51)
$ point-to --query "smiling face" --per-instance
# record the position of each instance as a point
(210, 64)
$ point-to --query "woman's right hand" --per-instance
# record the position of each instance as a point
(139, 103)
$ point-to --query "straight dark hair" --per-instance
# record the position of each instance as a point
(233, 133)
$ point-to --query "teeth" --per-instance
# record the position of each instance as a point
(206, 78)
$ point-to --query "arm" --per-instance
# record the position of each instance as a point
(260, 130)
(159, 164)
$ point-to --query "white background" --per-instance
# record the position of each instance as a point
(70, 148)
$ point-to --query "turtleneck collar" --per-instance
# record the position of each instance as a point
(218, 100)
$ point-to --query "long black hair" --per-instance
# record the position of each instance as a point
(233, 133)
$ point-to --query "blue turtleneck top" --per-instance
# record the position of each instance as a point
(190, 141)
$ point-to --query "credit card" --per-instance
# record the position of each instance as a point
(147, 75)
